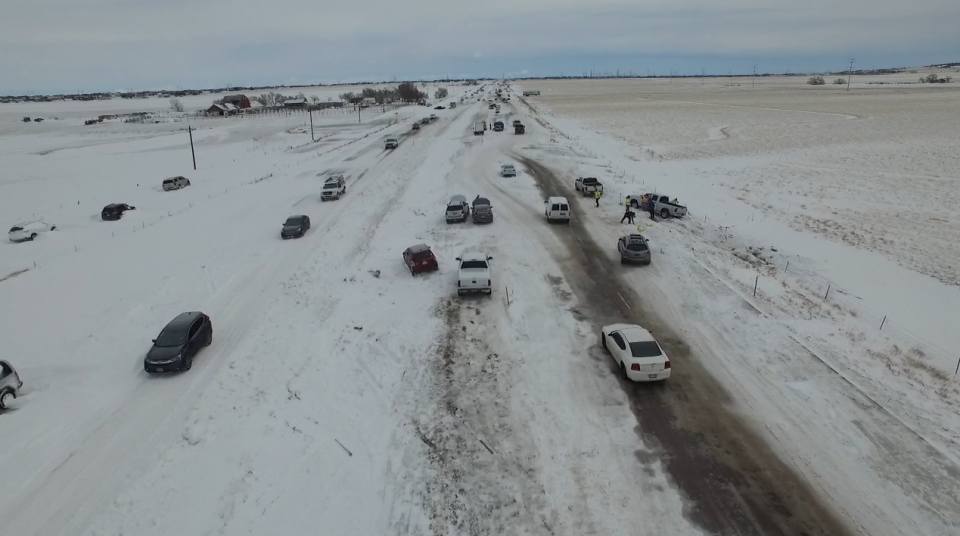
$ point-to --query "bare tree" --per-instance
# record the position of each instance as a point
(176, 105)
(441, 93)
(314, 99)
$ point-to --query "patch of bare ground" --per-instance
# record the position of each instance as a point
(736, 483)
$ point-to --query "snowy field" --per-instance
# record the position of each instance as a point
(343, 396)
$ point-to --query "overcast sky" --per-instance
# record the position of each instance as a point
(95, 45)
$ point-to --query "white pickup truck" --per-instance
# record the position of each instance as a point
(662, 206)
(391, 143)
(333, 188)
(473, 275)
(587, 185)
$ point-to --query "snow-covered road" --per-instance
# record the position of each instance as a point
(343, 396)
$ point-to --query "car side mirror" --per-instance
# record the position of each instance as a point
(458, 258)
(489, 258)
(154, 341)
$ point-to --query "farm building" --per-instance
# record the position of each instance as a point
(240, 101)
(295, 103)
(222, 109)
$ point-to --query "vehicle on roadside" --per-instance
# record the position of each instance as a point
(391, 143)
(458, 210)
(453, 105)
(10, 384)
(557, 209)
(478, 129)
(473, 275)
(175, 183)
(634, 248)
(508, 170)
(482, 210)
(492, 106)
(425, 121)
(433, 117)
(439, 108)
(636, 352)
(333, 188)
(516, 122)
(29, 230)
(178, 343)
(661, 206)
(498, 126)
(519, 129)
(114, 211)
(419, 258)
(416, 126)
(587, 185)
(295, 226)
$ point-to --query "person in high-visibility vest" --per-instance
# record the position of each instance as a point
(626, 211)
(596, 196)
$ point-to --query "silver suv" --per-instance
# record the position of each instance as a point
(457, 209)
(634, 248)
(10, 384)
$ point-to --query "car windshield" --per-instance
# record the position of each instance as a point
(645, 349)
(454, 208)
(15, 228)
(467, 265)
(636, 246)
(293, 220)
(170, 338)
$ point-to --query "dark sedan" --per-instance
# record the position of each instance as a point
(295, 226)
(179, 342)
(482, 210)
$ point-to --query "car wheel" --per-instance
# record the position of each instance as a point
(6, 398)
(603, 340)
(53, 228)
(33, 236)
(623, 370)
(209, 338)
(664, 213)
(413, 272)
(187, 362)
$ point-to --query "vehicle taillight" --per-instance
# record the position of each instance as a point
(666, 365)
(489, 283)
(635, 366)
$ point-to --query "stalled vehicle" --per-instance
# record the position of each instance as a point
(29, 230)
(419, 258)
(114, 211)
(473, 274)
(10, 384)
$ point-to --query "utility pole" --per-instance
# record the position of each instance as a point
(703, 72)
(310, 111)
(754, 75)
(849, 74)
(358, 112)
(192, 153)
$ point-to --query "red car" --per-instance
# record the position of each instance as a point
(419, 258)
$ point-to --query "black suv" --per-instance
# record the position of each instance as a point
(114, 211)
(176, 345)
(295, 226)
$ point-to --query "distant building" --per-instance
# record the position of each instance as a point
(240, 101)
(295, 103)
(222, 109)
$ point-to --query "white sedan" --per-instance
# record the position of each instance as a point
(636, 352)
(507, 170)
(22, 232)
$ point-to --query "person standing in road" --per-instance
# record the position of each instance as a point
(626, 211)
(596, 196)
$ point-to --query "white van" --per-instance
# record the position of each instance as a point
(557, 209)
(175, 183)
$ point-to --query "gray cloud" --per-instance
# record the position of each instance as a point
(64, 43)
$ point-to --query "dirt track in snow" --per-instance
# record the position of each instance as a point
(737, 485)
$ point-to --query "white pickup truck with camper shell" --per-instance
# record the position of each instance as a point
(334, 187)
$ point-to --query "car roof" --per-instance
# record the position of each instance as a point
(296, 216)
(482, 201)
(182, 319)
(418, 248)
(557, 199)
(634, 333)
(635, 238)
(458, 198)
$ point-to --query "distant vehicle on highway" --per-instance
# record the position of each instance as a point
(587, 185)
(507, 170)
(482, 210)
(478, 129)
(391, 143)
(295, 226)
(419, 258)
(425, 121)
(178, 343)
(114, 211)
(473, 275)
(636, 352)
(439, 108)
(416, 126)
(10, 384)
(29, 230)
(433, 117)
(333, 188)
(634, 248)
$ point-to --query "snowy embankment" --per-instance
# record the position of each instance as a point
(867, 414)
(340, 394)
